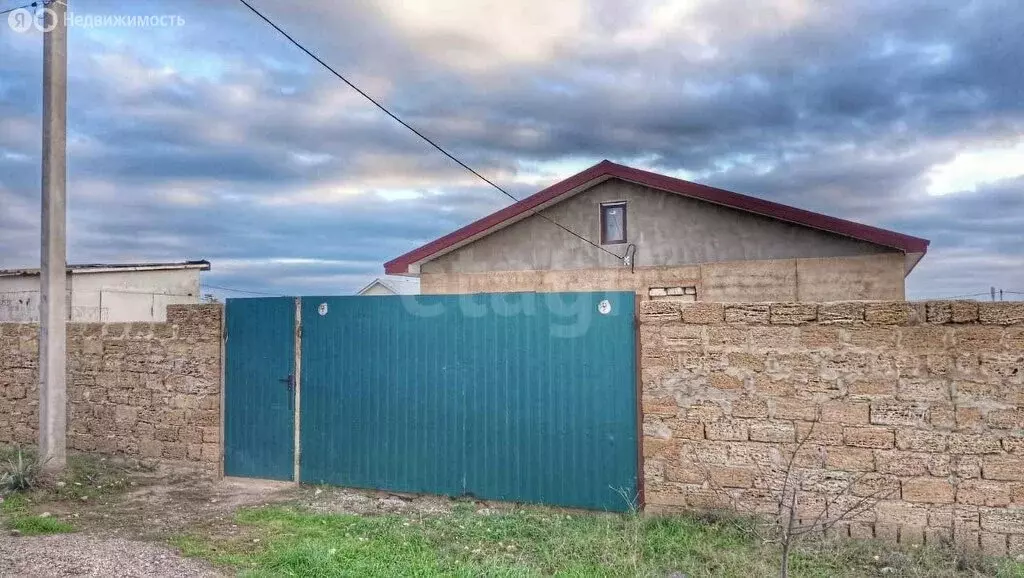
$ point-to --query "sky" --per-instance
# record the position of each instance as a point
(211, 137)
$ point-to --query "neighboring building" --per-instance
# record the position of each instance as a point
(129, 292)
(391, 285)
(687, 241)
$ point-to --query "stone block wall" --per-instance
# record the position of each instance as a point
(548, 281)
(861, 277)
(145, 390)
(919, 405)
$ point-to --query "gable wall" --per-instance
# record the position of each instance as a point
(668, 230)
(378, 289)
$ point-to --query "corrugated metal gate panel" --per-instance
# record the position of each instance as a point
(469, 395)
(381, 405)
(258, 402)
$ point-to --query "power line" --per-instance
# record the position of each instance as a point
(208, 286)
(31, 5)
(986, 293)
(989, 293)
(416, 132)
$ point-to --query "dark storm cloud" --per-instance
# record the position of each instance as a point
(219, 140)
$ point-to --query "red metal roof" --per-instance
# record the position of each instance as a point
(606, 169)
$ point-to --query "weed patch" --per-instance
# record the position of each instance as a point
(539, 542)
(12, 504)
(20, 472)
(85, 477)
(16, 516)
(39, 525)
(88, 476)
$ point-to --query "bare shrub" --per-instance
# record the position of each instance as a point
(803, 500)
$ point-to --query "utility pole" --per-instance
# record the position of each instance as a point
(53, 273)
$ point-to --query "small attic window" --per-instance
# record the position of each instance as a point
(613, 223)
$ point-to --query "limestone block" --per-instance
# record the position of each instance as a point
(869, 437)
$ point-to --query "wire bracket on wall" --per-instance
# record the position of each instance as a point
(629, 257)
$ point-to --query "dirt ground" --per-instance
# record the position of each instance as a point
(166, 506)
(124, 534)
(83, 555)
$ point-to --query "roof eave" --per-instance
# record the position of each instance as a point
(912, 259)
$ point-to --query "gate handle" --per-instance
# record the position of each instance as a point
(290, 381)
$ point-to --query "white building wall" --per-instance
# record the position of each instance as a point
(19, 299)
(377, 289)
(104, 296)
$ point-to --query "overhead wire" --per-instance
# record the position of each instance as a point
(231, 289)
(422, 136)
(963, 296)
(29, 5)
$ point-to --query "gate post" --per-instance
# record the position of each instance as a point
(298, 388)
(640, 497)
(223, 381)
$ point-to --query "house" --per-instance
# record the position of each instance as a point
(391, 285)
(104, 292)
(664, 237)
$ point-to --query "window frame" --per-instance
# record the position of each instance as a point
(601, 222)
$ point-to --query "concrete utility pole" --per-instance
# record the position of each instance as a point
(53, 276)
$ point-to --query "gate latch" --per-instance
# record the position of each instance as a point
(290, 381)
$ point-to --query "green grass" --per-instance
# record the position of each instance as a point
(13, 505)
(286, 541)
(9, 452)
(15, 514)
(38, 525)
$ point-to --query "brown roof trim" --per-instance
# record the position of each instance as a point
(607, 169)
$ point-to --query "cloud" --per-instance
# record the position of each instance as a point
(977, 240)
(217, 139)
(971, 168)
(487, 34)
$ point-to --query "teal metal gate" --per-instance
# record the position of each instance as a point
(525, 397)
(259, 396)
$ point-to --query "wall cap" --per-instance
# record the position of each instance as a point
(937, 312)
